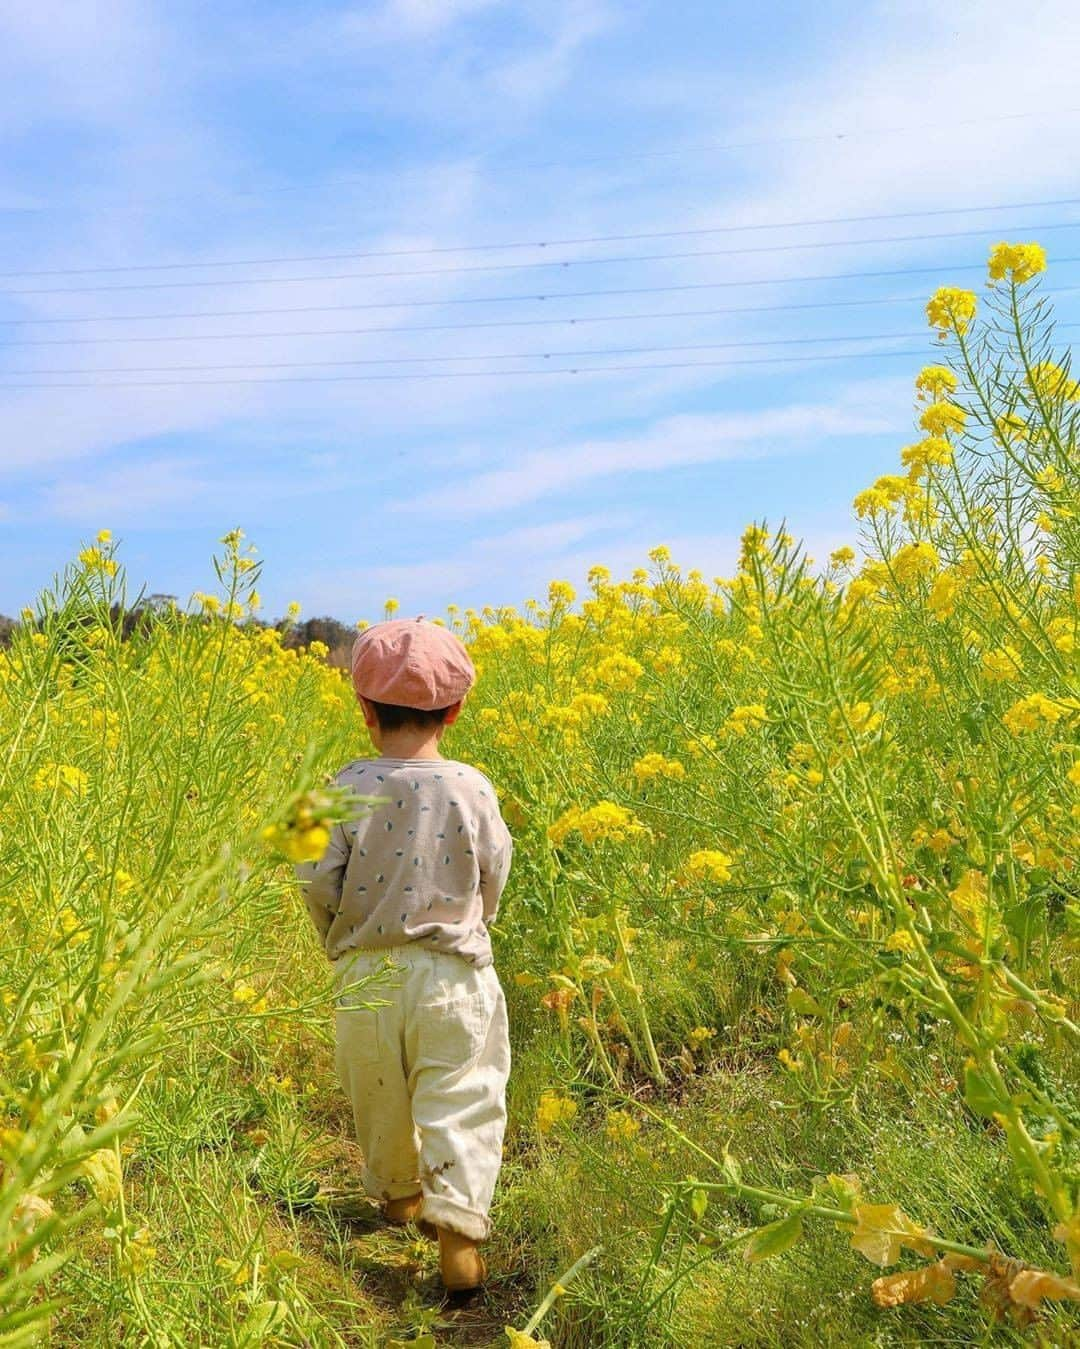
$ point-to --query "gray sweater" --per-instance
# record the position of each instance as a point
(428, 865)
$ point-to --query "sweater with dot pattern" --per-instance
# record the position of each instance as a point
(426, 865)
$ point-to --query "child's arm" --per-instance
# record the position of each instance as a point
(495, 848)
(321, 881)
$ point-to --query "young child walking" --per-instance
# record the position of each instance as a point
(415, 885)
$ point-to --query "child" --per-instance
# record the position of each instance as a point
(417, 880)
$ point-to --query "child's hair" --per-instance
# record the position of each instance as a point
(391, 717)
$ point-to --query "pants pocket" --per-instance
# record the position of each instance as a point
(452, 1034)
(358, 1039)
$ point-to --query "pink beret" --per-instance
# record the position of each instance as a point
(411, 663)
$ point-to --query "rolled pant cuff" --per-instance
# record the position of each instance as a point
(445, 1213)
(389, 1189)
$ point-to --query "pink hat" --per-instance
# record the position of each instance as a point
(411, 663)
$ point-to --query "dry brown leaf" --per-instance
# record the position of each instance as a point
(882, 1230)
(931, 1283)
(30, 1212)
(995, 1295)
(1031, 1286)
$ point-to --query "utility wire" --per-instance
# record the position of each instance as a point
(543, 243)
(470, 374)
(504, 299)
(530, 266)
(554, 354)
(485, 356)
(574, 321)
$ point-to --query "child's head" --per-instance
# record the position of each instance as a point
(410, 675)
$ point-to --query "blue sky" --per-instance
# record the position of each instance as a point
(166, 138)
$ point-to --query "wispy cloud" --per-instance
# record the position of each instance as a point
(668, 443)
(525, 553)
(401, 20)
(127, 495)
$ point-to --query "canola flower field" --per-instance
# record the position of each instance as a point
(791, 943)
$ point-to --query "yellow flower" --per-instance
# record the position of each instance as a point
(1050, 382)
(293, 610)
(104, 536)
(1019, 261)
(788, 1059)
(102, 1170)
(1073, 774)
(656, 766)
(951, 309)
(1050, 480)
(553, 1109)
(934, 451)
(842, 557)
(746, 718)
(914, 562)
(942, 419)
(93, 559)
(298, 845)
(391, 607)
(1028, 714)
(943, 594)
(1001, 664)
(604, 822)
(619, 671)
(934, 382)
(707, 864)
(900, 940)
(63, 778)
(561, 594)
(620, 1126)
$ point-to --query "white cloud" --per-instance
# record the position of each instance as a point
(134, 494)
(403, 20)
(520, 553)
(668, 443)
(540, 72)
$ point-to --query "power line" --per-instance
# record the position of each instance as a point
(543, 243)
(530, 266)
(487, 356)
(573, 321)
(471, 374)
(504, 299)
(554, 354)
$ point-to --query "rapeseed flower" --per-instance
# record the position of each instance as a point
(746, 718)
(1020, 262)
(951, 309)
(654, 765)
(708, 864)
(933, 382)
(944, 592)
(942, 419)
(553, 1109)
(1050, 382)
(620, 1127)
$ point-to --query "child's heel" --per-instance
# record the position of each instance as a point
(461, 1265)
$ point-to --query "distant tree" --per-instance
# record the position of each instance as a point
(337, 636)
(7, 627)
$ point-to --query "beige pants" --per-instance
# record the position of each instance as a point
(426, 1075)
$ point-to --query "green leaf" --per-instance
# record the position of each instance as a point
(773, 1240)
(979, 1094)
(731, 1169)
(699, 1202)
(285, 1260)
(801, 1002)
